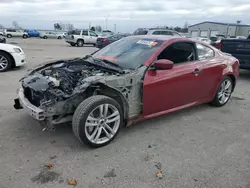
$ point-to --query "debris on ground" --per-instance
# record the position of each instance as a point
(159, 174)
(110, 174)
(72, 182)
(50, 165)
(158, 165)
(149, 146)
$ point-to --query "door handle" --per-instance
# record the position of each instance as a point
(197, 71)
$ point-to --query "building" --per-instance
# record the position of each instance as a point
(211, 29)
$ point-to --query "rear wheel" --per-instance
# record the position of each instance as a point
(9, 36)
(97, 120)
(80, 43)
(223, 93)
(25, 36)
(59, 37)
(5, 62)
(45, 37)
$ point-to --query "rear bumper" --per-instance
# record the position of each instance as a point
(23, 102)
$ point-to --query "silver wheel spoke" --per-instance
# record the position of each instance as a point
(227, 85)
(112, 115)
(91, 124)
(101, 110)
(91, 118)
(105, 112)
(113, 119)
(220, 94)
(98, 135)
(107, 134)
(93, 134)
(109, 128)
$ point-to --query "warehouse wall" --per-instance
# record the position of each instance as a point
(211, 28)
(243, 31)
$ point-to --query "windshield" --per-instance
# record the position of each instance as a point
(129, 52)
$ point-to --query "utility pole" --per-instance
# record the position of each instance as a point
(106, 21)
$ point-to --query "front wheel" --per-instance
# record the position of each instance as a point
(5, 62)
(45, 37)
(97, 121)
(25, 36)
(59, 37)
(80, 43)
(223, 93)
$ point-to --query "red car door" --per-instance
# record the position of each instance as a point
(167, 90)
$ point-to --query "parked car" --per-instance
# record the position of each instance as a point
(155, 31)
(206, 40)
(104, 41)
(126, 82)
(2, 39)
(51, 35)
(33, 33)
(9, 33)
(239, 48)
(81, 37)
(11, 56)
(1, 33)
(216, 40)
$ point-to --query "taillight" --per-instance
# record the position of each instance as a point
(105, 40)
(219, 46)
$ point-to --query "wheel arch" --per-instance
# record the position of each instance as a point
(13, 62)
(102, 89)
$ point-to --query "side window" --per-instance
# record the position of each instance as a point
(179, 52)
(204, 52)
(85, 33)
(166, 33)
(156, 33)
(92, 34)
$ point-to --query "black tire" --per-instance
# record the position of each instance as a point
(59, 37)
(80, 42)
(25, 36)
(9, 36)
(9, 61)
(45, 37)
(82, 112)
(216, 102)
(94, 45)
(72, 44)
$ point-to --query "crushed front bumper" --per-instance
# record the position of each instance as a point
(23, 102)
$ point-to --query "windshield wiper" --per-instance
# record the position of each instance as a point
(104, 63)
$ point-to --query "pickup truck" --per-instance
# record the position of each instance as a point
(239, 48)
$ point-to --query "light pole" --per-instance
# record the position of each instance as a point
(106, 20)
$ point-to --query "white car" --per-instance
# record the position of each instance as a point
(9, 33)
(11, 56)
(51, 35)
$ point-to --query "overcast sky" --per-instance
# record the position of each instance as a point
(126, 14)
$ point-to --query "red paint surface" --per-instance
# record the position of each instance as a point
(166, 91)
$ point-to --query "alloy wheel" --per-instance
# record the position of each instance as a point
(3, 62)
(102, 123)
(225, 91)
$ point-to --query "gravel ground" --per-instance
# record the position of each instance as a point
(194, 148)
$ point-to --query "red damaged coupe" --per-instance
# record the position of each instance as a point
(132, 79)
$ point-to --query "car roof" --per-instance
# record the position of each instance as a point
(156, 37)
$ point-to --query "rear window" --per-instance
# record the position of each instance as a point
(74, 32)
(140, 32)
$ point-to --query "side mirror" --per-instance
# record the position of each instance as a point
(163, 64)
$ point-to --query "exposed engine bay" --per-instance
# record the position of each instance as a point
(59, 81)
(59, 87)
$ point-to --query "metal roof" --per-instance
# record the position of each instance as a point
(219, 23)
